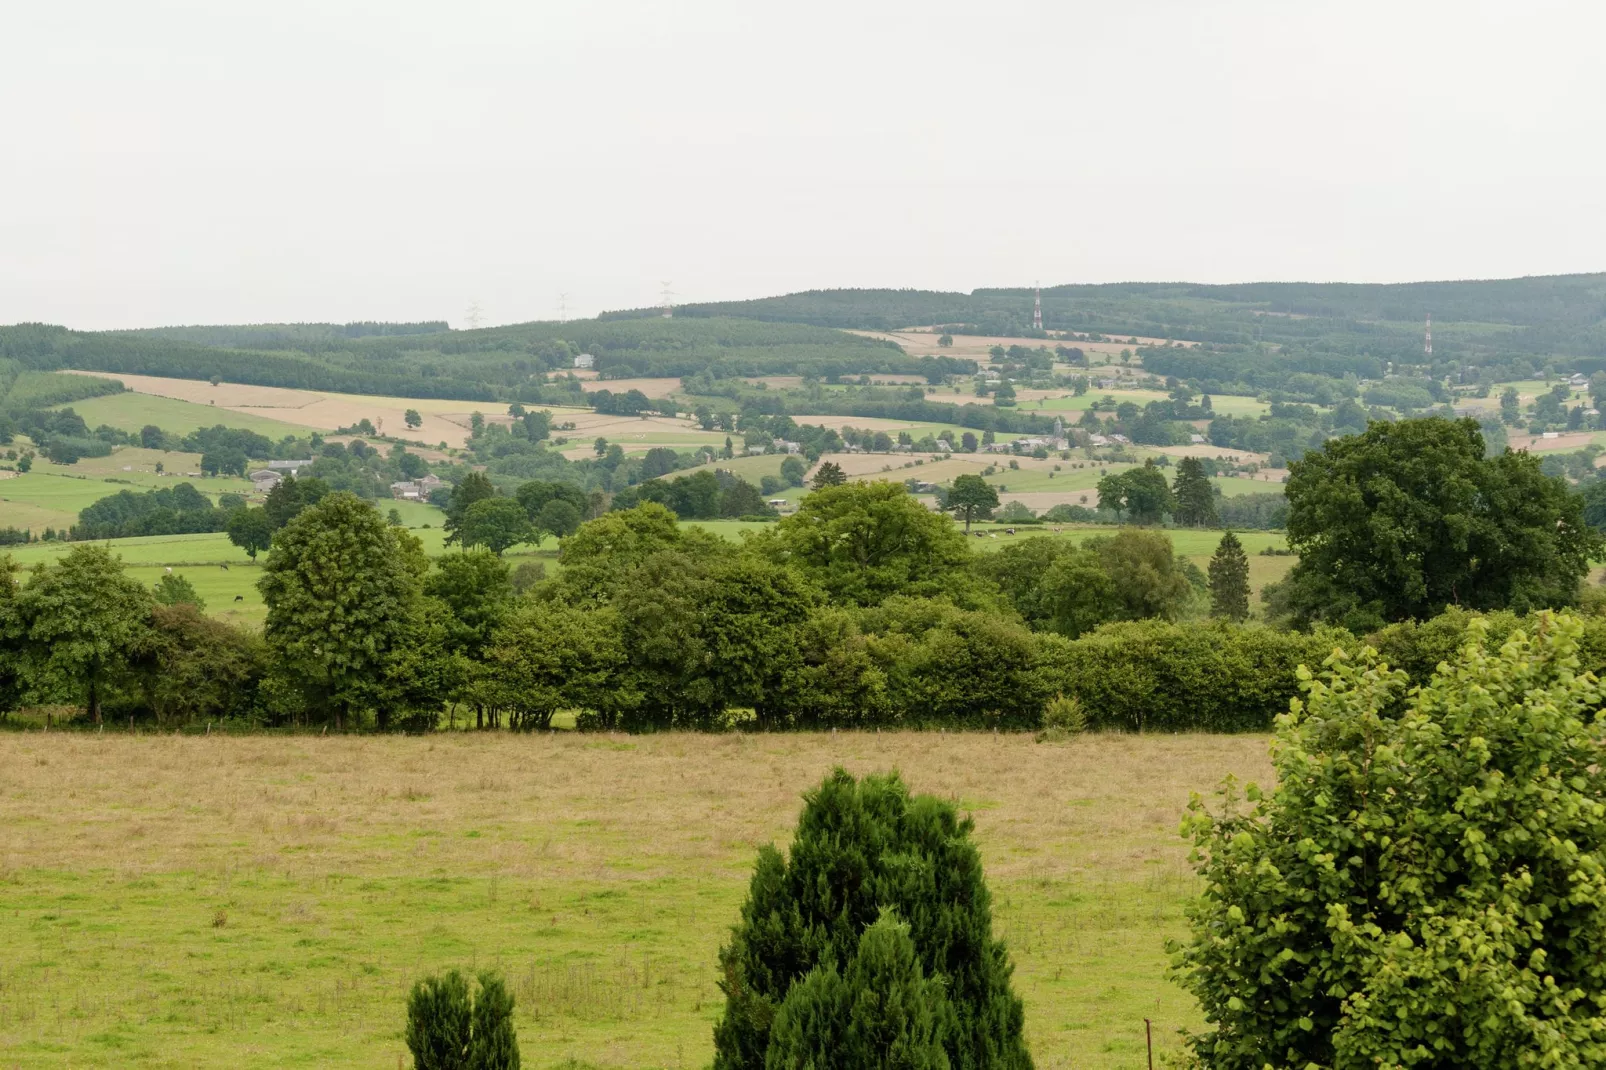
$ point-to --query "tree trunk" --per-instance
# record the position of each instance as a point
(94, 696)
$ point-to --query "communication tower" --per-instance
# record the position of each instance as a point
(1037, 307)
(668, 301)
(1427, 340)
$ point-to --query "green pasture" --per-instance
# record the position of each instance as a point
(130, 412)
(1187, 542)
(49, 497)
(269, 901)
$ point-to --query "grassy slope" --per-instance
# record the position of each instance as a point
(131, 411)
(268, 901)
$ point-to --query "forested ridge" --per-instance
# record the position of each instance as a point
(1561, 314)
(477, 365)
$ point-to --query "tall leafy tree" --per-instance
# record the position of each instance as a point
(10, 637)
(1195, 497)
(558, 517)
(1229, 580)
(863, 848)
(286, 500)
(1410, 517)
(251, 530)
(972, 497)
(190, 667)
(494, 523)
(863, 542)
(77, 623)
(342, 589)
(475, 587)
(549, 656)
(1426, 884)
(1140, 493)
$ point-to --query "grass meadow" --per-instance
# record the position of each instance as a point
(207, 901)
(131, 411)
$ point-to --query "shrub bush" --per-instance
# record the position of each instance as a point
(447, 1029)
(1216, 677)
(1424, 888)
(863, 848)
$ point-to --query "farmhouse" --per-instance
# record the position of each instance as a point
(265, 479)
(584, 360)
(416, 490)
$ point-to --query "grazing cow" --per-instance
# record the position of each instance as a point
(225, 568)
(239, 598)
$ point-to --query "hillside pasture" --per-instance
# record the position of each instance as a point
(268, 901)
(50, 497)
(444, 420)
(132, 411)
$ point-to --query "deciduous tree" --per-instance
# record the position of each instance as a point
(77, 623)
(251, 530)
(1410, 517)
(863, 542)
(494, 523)
(973, 498)
(1426, 884)
(342, 589)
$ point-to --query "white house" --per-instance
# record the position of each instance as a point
(584, 360)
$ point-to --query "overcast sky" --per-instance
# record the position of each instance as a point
(205, 162)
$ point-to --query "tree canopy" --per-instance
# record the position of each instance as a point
(863, 542)
(972, 497)
(342, 589)
(1426, 884)
(1410, 517)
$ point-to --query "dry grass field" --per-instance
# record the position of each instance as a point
(181, 902)
(444, 420)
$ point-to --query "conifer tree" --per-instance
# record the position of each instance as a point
(1196, 499)
(862, 848)
(883, 1012)
(1229, 580)
(448, 1028)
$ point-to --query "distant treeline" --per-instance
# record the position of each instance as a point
(1478, 322)
(503, 363)
(308, 336)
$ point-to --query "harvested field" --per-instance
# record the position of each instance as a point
(444, 420)
(268, 901)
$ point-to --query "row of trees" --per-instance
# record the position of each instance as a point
(864, 608)
(1141, 494)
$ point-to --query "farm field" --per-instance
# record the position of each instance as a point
(444, 420)
(49, 497)
(132, 411)
(268, 901)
